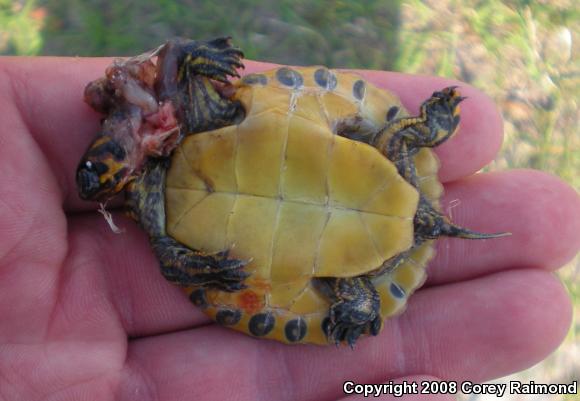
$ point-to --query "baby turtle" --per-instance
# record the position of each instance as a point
(299, 204)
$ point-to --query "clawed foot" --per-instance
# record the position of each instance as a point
(437, 121)
(355, 309)
(215, 59)
(223, 273)
(187, 267)
(348, 321)
(442, 115)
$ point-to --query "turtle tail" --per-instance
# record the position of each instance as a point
(431, 224)
(451, 230)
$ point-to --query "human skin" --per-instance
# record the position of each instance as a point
(86, 315)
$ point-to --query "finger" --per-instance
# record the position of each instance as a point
(48, 92)
(481, 130)
(541, 212)
(32, 228)
(410, 388)
(124, 270)
(475, 330)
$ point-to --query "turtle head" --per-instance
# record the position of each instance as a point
(104, 169)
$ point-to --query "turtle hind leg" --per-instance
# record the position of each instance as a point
(355, 308)
(357, 128)
(437, 121)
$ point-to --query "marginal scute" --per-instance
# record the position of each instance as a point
(397, 291)
(325, 78)
(295, 330)
(198, 298)
(255, 79)
(392, 113)
(289, 77)
(308, 301)
(228, 317)
(261, 324)
(359, 89)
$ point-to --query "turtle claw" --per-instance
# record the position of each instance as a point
(215, 59)
(347, 325)
(222, 273)
(345, 333)
(355, 309)
(188, 267)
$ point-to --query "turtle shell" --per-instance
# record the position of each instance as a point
(285, 192)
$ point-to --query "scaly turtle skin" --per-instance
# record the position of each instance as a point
(299, 204)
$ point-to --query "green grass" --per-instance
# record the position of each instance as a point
(284, 31)
(20, 27)
(523, 62)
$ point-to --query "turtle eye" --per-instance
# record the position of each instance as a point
(89, 178)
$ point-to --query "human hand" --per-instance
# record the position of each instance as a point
(85, 313)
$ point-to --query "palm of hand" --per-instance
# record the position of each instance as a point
(85, 312)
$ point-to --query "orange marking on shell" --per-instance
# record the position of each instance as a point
(250, 301)
(264, 285)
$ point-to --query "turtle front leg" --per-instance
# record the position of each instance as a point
(355, 308)
(189, 267)
(194, 76)
(179, 264)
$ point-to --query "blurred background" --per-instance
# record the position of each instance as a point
(523, 53)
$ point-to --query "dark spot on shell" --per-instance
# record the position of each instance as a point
(397, 291)
(325, 326)
(289, 77)
(261, 324)
(295, 330)
(456, 121)
(325, 78)
(197, 297)
(359, 89)
(255, 79)
(392, 113)
(228, 317)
